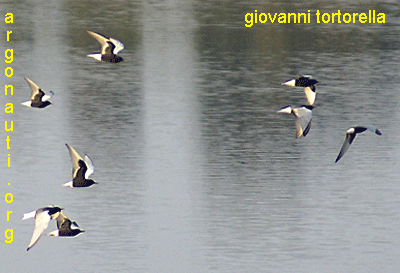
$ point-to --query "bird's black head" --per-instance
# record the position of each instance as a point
(74, 232)
(54, 210)
(78, 231)
(118, 59)
(90, 182)
(309, 107)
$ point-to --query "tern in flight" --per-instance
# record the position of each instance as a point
(38, 98)
(303, 115)
(351, 134)
(308, 83)
(109, 48)
(81, 170)
(42, 216)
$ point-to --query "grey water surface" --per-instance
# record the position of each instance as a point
(196, 170)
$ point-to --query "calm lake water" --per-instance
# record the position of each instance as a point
(196, 170)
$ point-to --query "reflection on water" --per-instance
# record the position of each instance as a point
(196, 170)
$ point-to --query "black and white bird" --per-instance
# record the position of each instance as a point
(65, 227)
(81, 170)
(109, 48)
(308, 83)
(38, 98)
(42, 216)
(351, 134)
(303, 115)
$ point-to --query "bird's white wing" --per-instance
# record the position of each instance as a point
(374, 129)
(311, 93)
(42, 220)
(303, 121)
(89, 165)
(47, 97)
(118, 45)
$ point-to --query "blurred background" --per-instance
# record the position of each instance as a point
(196, 170)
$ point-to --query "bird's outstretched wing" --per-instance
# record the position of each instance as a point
(42, 220)
(90, 166)
(75, 157)
(303, 121)
(311, 93)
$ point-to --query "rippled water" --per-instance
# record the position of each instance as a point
(196, 170)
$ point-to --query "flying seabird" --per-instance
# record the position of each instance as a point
(109, 48)
(351, 134)
(303, 115)
(65, 227)
(38, 98)
(42, 219)
(81, 170)
(308, 83)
